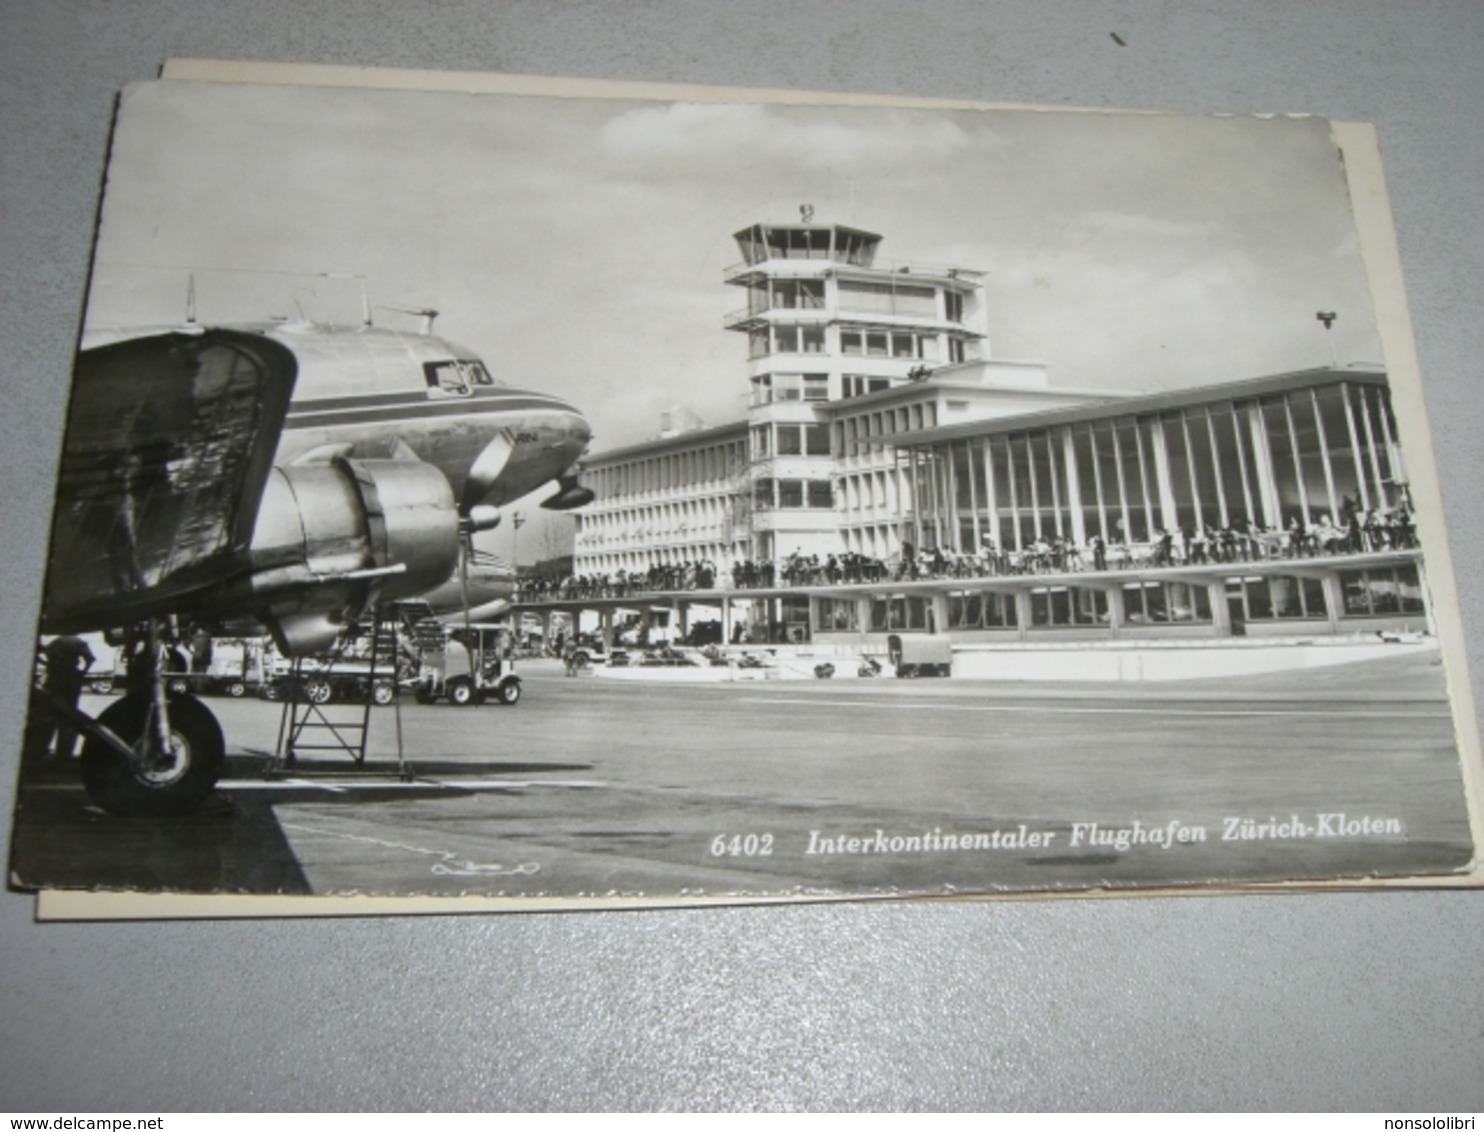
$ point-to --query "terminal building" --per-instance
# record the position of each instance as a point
(989, 505)
(842, 347)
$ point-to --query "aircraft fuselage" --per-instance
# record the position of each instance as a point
(383, 394)
(374, 393)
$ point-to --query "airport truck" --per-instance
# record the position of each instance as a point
(229, 666)
(343, 679)
(468, 666)
(919, 654)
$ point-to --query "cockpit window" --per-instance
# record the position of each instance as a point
(478, 375)
(446, 377)
(456, 378)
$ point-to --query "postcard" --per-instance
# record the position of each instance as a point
(482, 496)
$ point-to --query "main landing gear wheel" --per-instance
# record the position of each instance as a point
(162, 784)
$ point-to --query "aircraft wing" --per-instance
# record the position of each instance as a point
(169, 442)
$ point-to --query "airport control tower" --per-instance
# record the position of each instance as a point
(827, 319)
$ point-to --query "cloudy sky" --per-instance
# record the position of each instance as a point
(578, 245)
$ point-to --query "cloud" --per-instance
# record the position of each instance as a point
(1105, 223)
(699, 134)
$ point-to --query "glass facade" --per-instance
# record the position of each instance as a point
(974, 610)
(1377, 592)
(902, 612)
(1321, 454)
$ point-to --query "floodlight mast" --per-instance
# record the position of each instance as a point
(1328, 318)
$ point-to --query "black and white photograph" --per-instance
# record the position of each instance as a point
(625, 500)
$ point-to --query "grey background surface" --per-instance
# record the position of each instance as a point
(1333, 1001)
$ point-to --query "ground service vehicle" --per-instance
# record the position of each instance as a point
(347, 679)
(471, 665)
(233, 666)
(920, 655)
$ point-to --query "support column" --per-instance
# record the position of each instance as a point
(940, 612)
(1117, 611)
(1221, 614)
(1334, 601)
(1074, 487)
(1023, 613)
(1267, 490)
(991, 489)
(1298, 463)
(1329, 475)
(1355, 447)
(1168, 513)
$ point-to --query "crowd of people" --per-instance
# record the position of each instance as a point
(662, 577)
(1357, 532)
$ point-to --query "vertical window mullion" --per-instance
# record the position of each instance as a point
(1216, 470)
(973, 495)
(1097, 479)
(992, 490)
(1122, 484)
(1055, 482)
(1323, 439)
(1144, 480)
(1393, 449)
(1365, 495)
(1242, 464)
(1370, 437)
(1195, 489)
(1030, 469)
(1298, 463)
(1014, 490)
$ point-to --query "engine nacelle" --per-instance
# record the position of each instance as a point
(332, 539)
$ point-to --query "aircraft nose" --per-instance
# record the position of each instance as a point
(488, 467)
(511, 463)
(579, 435)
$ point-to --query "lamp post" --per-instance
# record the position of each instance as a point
(516, 522)
(1328, 318)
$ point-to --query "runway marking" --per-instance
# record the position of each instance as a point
(448, 864)
(330, 786)
(945, 705)
(486, 783)
(418, 784)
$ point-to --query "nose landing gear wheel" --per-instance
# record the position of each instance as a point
(154, 784)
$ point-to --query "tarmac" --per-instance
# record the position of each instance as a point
(590, 788)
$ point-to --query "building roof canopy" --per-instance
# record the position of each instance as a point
(1137, 406)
